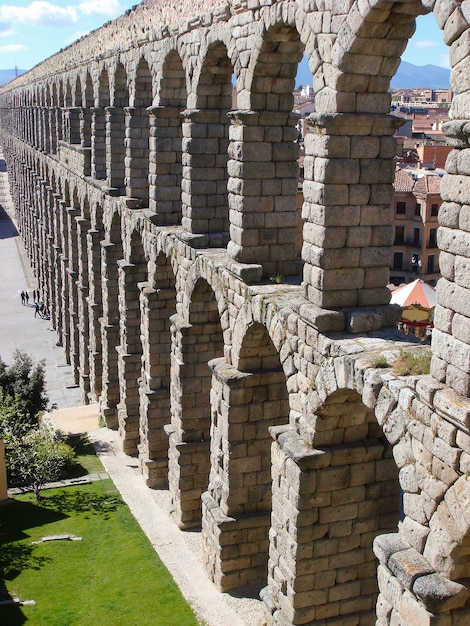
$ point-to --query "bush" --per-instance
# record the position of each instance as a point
(37, 458)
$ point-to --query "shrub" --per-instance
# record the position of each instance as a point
(37, 458)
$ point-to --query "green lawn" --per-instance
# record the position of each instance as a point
(113, 577)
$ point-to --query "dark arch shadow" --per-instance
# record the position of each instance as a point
(7, 227)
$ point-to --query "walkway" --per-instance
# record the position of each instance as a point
(181, 552)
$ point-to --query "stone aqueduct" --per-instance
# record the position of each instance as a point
(155, 206)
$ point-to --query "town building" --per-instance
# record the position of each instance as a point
(416, 205)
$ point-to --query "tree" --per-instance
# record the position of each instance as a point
(34, 455)
(26, 382)
(37, 458)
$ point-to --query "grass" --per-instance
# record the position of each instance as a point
(409, 363)
(113, 577)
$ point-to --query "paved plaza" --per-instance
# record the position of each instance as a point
(20, 329)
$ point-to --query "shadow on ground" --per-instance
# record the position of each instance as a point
(15, 518)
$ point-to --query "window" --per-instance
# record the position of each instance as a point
(416, 236)
(399, 234)
(418, 209)
(398, 260)
(401, 208)
(433, 238)
(434, 210)
(430, 269)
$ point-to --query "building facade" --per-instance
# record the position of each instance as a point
(416, 204)
(162, 225)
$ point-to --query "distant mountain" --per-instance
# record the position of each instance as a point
(408, 76)
(7, 75)
(411, 76)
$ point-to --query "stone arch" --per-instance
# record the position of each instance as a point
(89, 92)
(157, 305)
(347, 493)
(263, 144)
(195, 342)
(83, 225)
(205, 149)
(348, 192)
(246, 402)
(98, 128)
(112, 253)
(116, 129)
(95, 236)
(138, 135)
(67, 93)
(353, 80)
(77, 94)
(166, 141)
(133, 271)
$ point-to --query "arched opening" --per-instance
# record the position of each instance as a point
(166, 142)
(116, 132)
(95, 236)
(330, 500)
(247, 399)
(263, 223)
(137, 136)
(205, 150)
(83, 224)
(194, 343)
(111, 253)
(132, 272)
(158, 304)
(98, 129)
(349, 161)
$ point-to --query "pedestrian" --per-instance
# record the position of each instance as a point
(41, 309)
(26, 296)
(22, 297)
(36, 308)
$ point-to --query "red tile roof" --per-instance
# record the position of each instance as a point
(403, 181)
(428, 184)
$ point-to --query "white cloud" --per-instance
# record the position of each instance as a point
(106, 8)
(39, 14)
(426, 43)
(13, 47)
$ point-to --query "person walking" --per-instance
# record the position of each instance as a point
(36, 308)
(22, 297)
(26, 297)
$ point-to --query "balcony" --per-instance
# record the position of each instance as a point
(409, 243)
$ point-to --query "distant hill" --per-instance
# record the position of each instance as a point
(408, 76)
(411, 76)
(7, 75)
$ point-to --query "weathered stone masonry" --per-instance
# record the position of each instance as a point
(155, 209)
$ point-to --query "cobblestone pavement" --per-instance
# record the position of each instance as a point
(180, 551)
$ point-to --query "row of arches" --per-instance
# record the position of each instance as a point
(153, 205)
(199, 129)
(291, 482)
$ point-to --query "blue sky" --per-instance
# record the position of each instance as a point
(32, 30)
